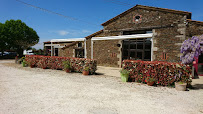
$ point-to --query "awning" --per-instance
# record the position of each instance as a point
(122, 37)
(68, 40)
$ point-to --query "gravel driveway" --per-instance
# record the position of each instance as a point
(33, 91)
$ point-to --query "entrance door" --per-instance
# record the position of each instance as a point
(56, 52)
(79, 53)
(200, 65)
(137, 49)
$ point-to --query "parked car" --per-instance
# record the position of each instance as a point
(8, 55)
(28, 52)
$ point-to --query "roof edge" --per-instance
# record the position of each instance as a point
(189, 14)
(96, 33)
(72, 44)
(197, 22)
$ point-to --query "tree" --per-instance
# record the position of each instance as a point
(2, 39)
(192, 47)
(19, 36)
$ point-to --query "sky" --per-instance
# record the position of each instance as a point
(81, 17)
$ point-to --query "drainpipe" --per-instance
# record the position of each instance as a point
(152, 45)
(51, 49)
(92, 48)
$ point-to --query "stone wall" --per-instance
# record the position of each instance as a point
(69, 51)
(107, 52)
(149, 19)
(167, 43)
(88, 44)
(194, 29)
(88, 47)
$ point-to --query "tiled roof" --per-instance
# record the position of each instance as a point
(72, 44)
(96, 33)
(148, 8)
(197, 22)
(48, 42)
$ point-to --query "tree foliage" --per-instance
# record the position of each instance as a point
(3, 44)
(17, 36)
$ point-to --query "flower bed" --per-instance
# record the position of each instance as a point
(164, 73)
(53, 62)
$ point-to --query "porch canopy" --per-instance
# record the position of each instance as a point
(68, 40)
(122, 37)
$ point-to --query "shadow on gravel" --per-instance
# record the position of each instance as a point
(197, 86)
(99, 73)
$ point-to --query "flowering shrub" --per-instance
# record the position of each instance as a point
(164, 73)
(191, 48)
(53, 62)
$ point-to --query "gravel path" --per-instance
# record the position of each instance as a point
(33, 91)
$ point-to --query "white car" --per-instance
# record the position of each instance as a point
(28, 52)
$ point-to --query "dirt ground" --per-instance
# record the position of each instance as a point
(25, 90)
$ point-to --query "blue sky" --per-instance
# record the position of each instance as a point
(89, 14)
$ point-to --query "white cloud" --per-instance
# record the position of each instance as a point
(68, 33)
(86, 31)
(40, 45)
(62, 32)
(72, 32)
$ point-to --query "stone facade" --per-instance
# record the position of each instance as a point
(106, 52)
(67, 52)
(194, 28)
(169, 27)
(169, 31)
(166, 41)
(149, 20)
(69, 49)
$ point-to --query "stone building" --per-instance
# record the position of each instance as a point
(142, 32)
(65, 47)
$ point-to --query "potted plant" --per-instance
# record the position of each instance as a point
(85, 71)
(150, 81)
(180, 86)
(124, 75)
(67, 66)
(23, 62)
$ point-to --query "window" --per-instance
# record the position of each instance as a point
(137, 18)
(79, 53)
(80, 44)
(139, 49)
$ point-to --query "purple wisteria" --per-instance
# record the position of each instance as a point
(192, 47)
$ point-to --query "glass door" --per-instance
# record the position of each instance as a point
(137, 49)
